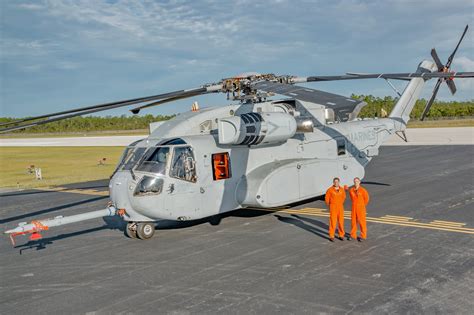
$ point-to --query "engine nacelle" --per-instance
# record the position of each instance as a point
(256, 128)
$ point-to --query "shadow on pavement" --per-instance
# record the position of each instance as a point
(68, 205)
(303, 225)
(375, 183)
(111, 223)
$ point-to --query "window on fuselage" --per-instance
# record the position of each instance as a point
(183, 164)
(341, 146)
(155, 160)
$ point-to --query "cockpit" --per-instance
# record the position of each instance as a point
(174, 158)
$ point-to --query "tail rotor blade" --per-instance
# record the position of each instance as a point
(450, 59)
(430, 102)
(451, 86)
(436, 59)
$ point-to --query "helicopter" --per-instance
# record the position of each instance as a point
(258, 152)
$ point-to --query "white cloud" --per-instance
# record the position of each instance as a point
(32, 68)
(67, 65)
(31, 6)
(19, 47)
(463, 63)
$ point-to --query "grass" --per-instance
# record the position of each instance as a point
(59, 165)
(441, 123)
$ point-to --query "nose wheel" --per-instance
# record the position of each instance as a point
(145, 230)
(131, 230)
(141, 230)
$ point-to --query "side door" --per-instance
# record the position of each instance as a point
(182, 187)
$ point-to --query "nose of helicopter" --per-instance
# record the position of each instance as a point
(120, 187)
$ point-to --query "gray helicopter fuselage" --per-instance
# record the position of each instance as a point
(267, 175)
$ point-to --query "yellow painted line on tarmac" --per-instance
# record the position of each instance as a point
(388, 219)
(79, 191)
(448, 222)
(396, 217)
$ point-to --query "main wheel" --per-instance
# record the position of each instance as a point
(131, 230)
(145, 230)
(215, 220)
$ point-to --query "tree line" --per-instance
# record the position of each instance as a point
(94, 123)
(376, 107)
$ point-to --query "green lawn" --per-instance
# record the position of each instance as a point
(441, 123)
(59, 165)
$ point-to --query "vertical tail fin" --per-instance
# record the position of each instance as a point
(401, 111)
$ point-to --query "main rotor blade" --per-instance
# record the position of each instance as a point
(399, 76)
(106, 106)
(430, 102)
(49, 120)
(450, 59)
(436, 59)
(136, 110)
(102, 107)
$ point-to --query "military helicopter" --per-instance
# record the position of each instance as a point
(257, 152)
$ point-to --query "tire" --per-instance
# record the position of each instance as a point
(130, 230)
(145, 230)
(215, 220)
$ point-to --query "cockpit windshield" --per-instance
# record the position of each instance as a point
(130, 157)
(180, 158)
(155, 160)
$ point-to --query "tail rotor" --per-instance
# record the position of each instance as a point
(445, 69)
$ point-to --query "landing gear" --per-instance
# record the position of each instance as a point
(145, 230)
(141, 230)
(131, 230)
(215, 220)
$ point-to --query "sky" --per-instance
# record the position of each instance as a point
(61, 54)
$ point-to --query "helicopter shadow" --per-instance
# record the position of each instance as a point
(24, 193)
(375, 183)
(110, 223)
(214, 220)
(48, 210)
(299, 222)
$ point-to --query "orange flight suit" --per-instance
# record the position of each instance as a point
(335, 200)
(360, 199)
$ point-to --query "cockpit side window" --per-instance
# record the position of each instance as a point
(183, 165)
(155, 160)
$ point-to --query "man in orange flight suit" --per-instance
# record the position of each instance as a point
(360, 199)
(335, 197)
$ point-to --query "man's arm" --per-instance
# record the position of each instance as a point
(327, 198)
(366, 197)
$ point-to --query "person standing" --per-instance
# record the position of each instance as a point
(360, 199)
(334, 198)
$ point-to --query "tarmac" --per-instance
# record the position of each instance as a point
(419, 256)
(415, 136)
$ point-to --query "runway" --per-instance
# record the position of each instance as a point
(419, 256)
